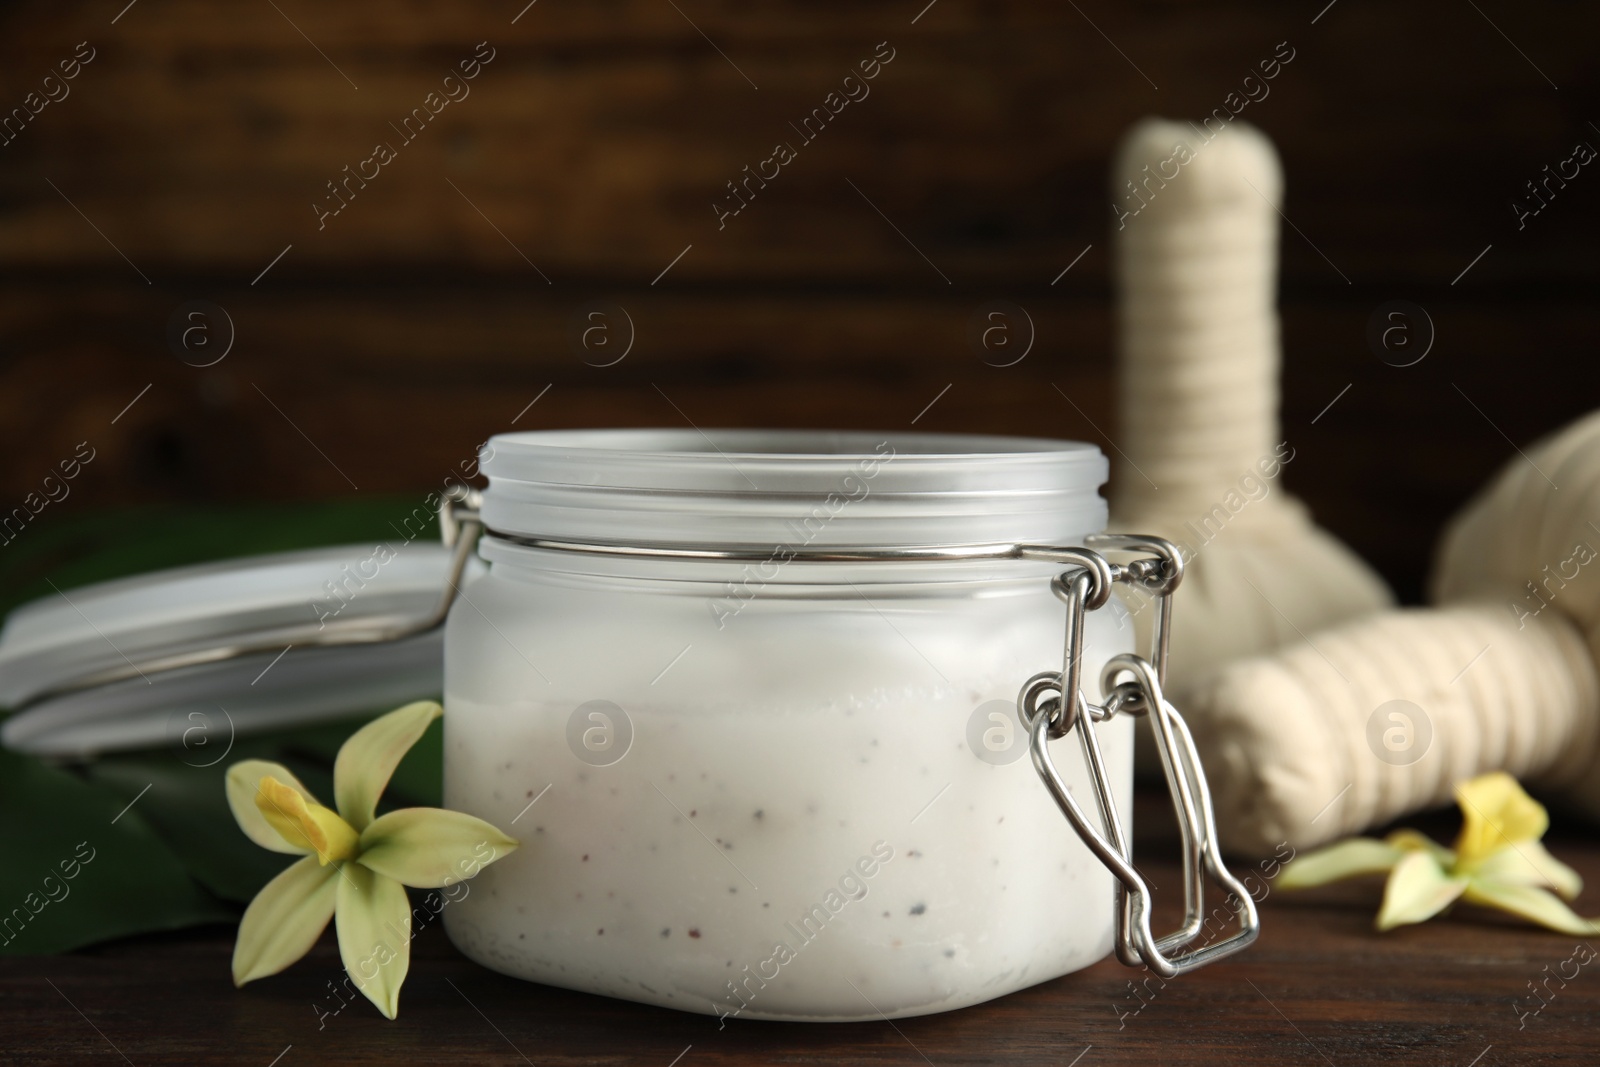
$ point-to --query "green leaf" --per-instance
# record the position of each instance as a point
(188, 807)
(185, 805)
(78, 869)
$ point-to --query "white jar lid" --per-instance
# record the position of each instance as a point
(51, 647)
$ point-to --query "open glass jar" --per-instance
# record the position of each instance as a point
(748, 700)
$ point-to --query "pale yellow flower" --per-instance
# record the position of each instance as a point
(355, 866)
(1497, 862)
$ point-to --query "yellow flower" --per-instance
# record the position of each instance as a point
(355, 866)
(1497, 862)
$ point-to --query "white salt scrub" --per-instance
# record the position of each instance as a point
(774, 789)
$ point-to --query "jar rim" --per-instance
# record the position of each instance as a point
(750, 486)
(780, 444)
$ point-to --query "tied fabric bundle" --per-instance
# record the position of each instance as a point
(1380, 711)
(1198, 363)
(1501, 676)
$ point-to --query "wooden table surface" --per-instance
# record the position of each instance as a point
(1319, 987)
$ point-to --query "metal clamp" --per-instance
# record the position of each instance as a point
(1133, 685)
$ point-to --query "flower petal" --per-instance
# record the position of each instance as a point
(1495, 812)
(1529, 863)
(243, 782)
(1417, 890)
(1347, 859)
(308, 826)
(1530, 902)
(374, 935)
(426, 848)
(368, 758)
(284, 920)
(1413, 841)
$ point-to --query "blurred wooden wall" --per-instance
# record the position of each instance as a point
(378, 350)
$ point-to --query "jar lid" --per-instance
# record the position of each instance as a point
(53, 651)
(763, 487)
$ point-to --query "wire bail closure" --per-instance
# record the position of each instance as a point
(1133, 685)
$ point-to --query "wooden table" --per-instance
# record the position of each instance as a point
(1318, 987)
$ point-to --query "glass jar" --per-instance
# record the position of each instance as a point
(774, 787)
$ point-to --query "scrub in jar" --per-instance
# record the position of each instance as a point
(773, 788)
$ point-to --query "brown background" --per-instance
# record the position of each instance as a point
(409, 329)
